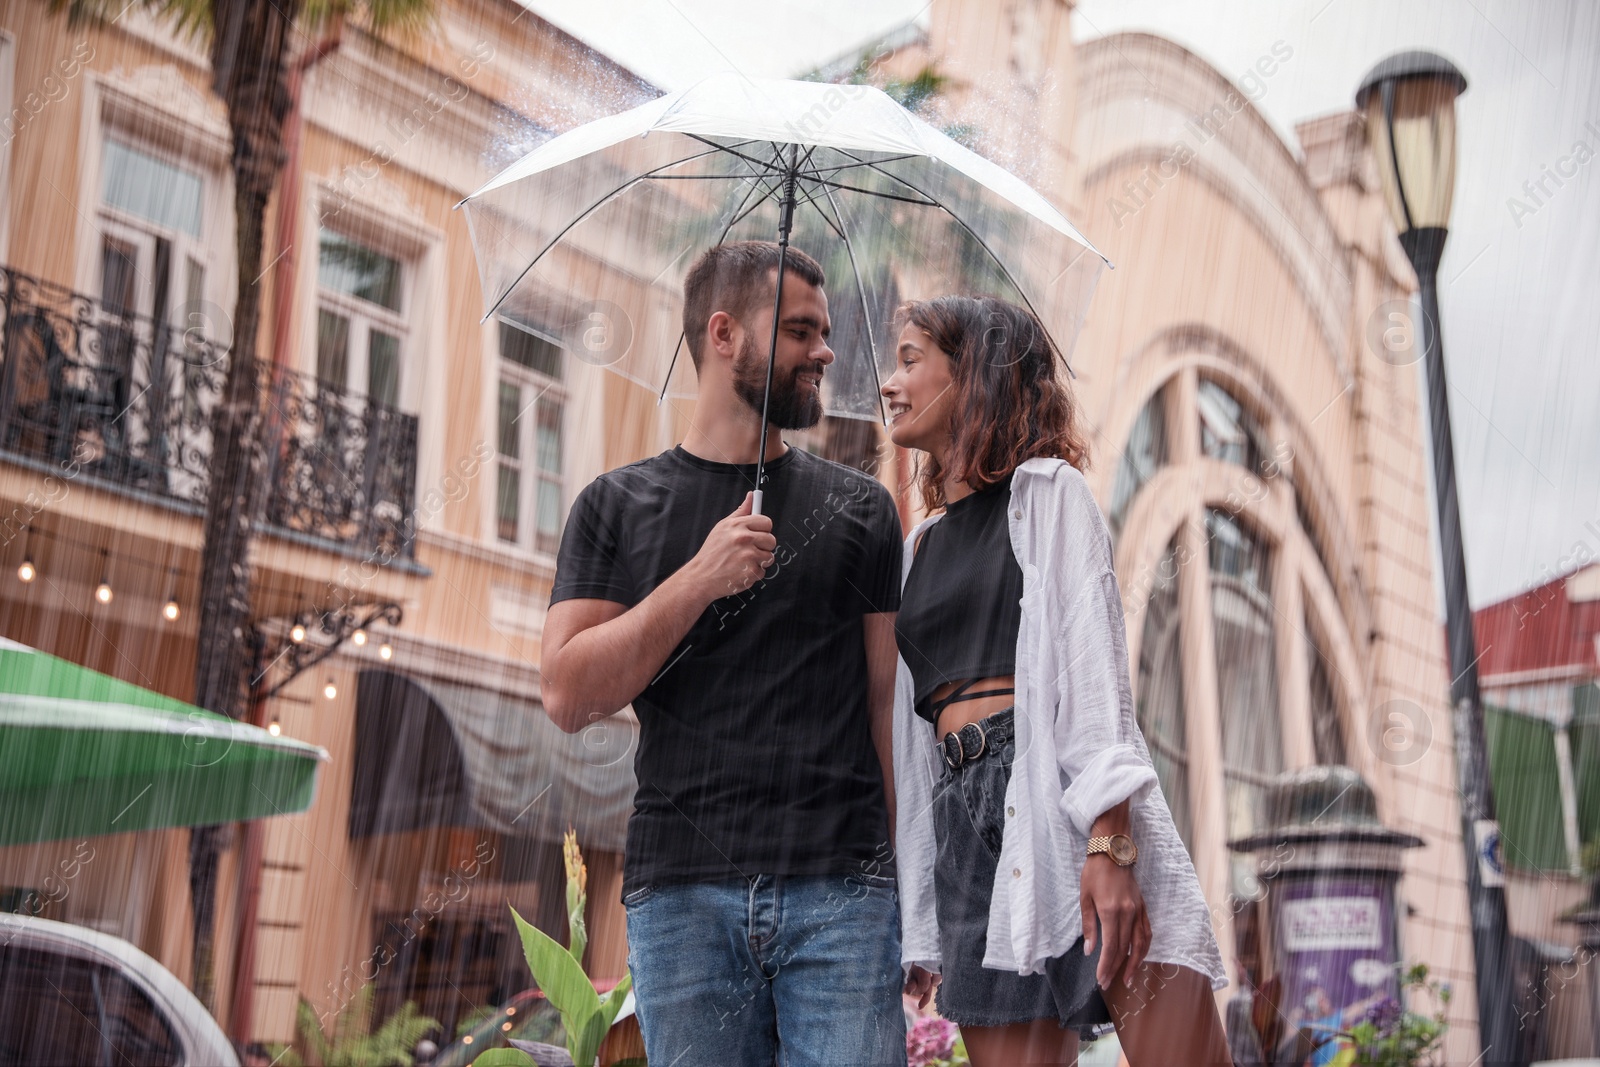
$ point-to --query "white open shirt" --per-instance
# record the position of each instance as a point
(1079, 752)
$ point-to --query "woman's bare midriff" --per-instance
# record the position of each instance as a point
(957, 715)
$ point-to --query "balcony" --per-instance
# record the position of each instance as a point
(126, 401)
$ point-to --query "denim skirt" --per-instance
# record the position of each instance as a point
(968, 820)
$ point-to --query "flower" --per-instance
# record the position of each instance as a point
(930, 1039)
(577, 871)
(1385, 1015)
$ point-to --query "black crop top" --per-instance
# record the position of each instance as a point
(961, 606)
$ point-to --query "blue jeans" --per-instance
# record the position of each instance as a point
(793, 971)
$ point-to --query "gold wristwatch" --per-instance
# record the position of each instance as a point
(1119, 847)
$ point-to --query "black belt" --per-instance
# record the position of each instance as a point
(977, 739)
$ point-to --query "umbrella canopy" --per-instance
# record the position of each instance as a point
(82, 753)
(587, 238)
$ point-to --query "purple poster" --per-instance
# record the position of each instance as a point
(1336, 940)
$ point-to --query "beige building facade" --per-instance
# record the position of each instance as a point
(1259, 458)
(424, 460)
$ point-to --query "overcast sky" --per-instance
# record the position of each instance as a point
(1520, 282)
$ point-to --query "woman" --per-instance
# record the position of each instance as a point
(1043, 885)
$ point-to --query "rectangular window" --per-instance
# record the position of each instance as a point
(508, 501)
(529, 417)
(155, 241)
(151, 188)
(361, 323)
(118, 268)
(333, 349)
(383, 368)
(348, 266)
(547, 534)
(530, 350)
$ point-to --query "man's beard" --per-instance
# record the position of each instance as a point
(792, 406)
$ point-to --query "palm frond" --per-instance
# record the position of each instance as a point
(189, 18)
(405, 19)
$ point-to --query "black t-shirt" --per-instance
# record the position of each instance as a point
(755, 753)
(963, 597)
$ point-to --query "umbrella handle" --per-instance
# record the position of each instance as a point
(755, 501)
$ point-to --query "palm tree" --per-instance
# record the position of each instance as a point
(255, 69)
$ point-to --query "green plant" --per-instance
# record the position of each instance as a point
(958, 1056)
(559, 974)
(1392, 1036)
(467, 1022)
(351, 1042)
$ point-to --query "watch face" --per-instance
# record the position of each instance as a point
(1122, 849)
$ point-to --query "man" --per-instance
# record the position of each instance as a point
(758, 652)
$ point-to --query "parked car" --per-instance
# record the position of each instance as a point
(74, 996)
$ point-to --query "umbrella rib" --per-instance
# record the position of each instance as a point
(861, 291)
(831, 224)
(739, 212)
(773, 188)
(691, 177)
(806, 162)
(879, 193)
(667, 381)
(766, 165)
(612, 195)
(959, 221)
(852, 166)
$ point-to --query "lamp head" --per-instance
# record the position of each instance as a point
(1409, 100)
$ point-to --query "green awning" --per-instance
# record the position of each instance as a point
(83, 754)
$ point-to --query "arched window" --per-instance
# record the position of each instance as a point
(1247, 676)
(1227, 431)
(1145, 454)
(1327, 735)
(1228, 568)
(1160, 705)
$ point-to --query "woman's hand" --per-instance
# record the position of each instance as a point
(921, 984)
(1111, 893)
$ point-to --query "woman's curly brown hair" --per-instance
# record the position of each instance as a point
(1011, 402)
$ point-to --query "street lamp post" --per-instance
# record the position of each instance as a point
(1409, 100)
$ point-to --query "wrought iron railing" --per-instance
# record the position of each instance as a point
(126, 400)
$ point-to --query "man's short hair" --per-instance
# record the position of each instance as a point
(737, 278)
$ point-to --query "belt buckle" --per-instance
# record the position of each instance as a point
(945, 750)
(960, 747)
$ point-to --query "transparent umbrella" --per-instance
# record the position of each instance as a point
(587, 238)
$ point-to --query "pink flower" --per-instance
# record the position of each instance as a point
(930, 1039)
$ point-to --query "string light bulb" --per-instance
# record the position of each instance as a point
(102, 592)
(385, 651)
(297, 633)
(26, 571)
(330, 690)
(171, 610)
(358, 638)
(274, 728)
